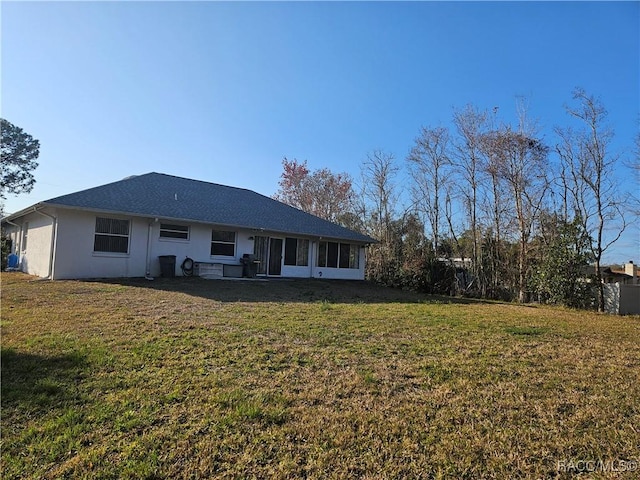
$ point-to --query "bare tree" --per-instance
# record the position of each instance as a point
(470, 124)
(379, 172)
(591, 185)
(378, 203)
(520, 160)
(493, 204)
(463, 282)
(429, 162)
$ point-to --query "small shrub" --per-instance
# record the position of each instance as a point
(5, 247)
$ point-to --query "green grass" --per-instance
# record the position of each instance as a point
(189, 378)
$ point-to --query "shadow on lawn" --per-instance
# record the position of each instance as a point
(287, 290)
(36, 382)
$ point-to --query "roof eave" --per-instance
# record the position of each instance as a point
(366, 240)
(23, 212)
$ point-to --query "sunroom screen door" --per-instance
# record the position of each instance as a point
(261, 251)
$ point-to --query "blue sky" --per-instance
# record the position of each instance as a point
(222, 91)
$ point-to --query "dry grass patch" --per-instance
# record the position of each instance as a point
(315, 379)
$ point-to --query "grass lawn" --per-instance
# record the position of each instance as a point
(192, 378)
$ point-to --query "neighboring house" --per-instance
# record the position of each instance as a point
(621, 289)
(628, 275)
(122, 228)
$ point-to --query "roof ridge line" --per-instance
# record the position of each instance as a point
(200, 181)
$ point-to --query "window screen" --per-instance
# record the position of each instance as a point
(223, 243)
(168, 230)
(111, 235)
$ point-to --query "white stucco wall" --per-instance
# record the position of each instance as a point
(34, 259)
(74, 244)
(338, 273)
(75, 257)
(198, 247)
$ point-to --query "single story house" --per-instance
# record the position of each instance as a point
(123, 228)
(622, 290)
(626, 275)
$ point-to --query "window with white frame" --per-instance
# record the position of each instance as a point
(172, 231)
(223, 243)
(296, 252)
(111, 235)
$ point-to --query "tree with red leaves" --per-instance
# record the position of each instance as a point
(321, 193)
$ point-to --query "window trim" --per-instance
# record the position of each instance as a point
(108, 234)
(187, 231)
(333, 255)
(344, 254)
(302, 246)
(354, 256)
(339, 258)
(222, 242)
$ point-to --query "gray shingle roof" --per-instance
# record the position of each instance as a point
(170, 197)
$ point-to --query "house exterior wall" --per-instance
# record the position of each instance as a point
(631, 269)
(311, 270)
(35, 252)
(74, 256)
(12, 232)
(197, 247)
(338, 273)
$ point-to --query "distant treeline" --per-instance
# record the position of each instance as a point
(494, 212)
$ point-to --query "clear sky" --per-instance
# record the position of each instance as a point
(222, 91)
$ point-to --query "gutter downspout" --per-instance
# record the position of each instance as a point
(54, 241)
(147, 274)
(14, 224)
